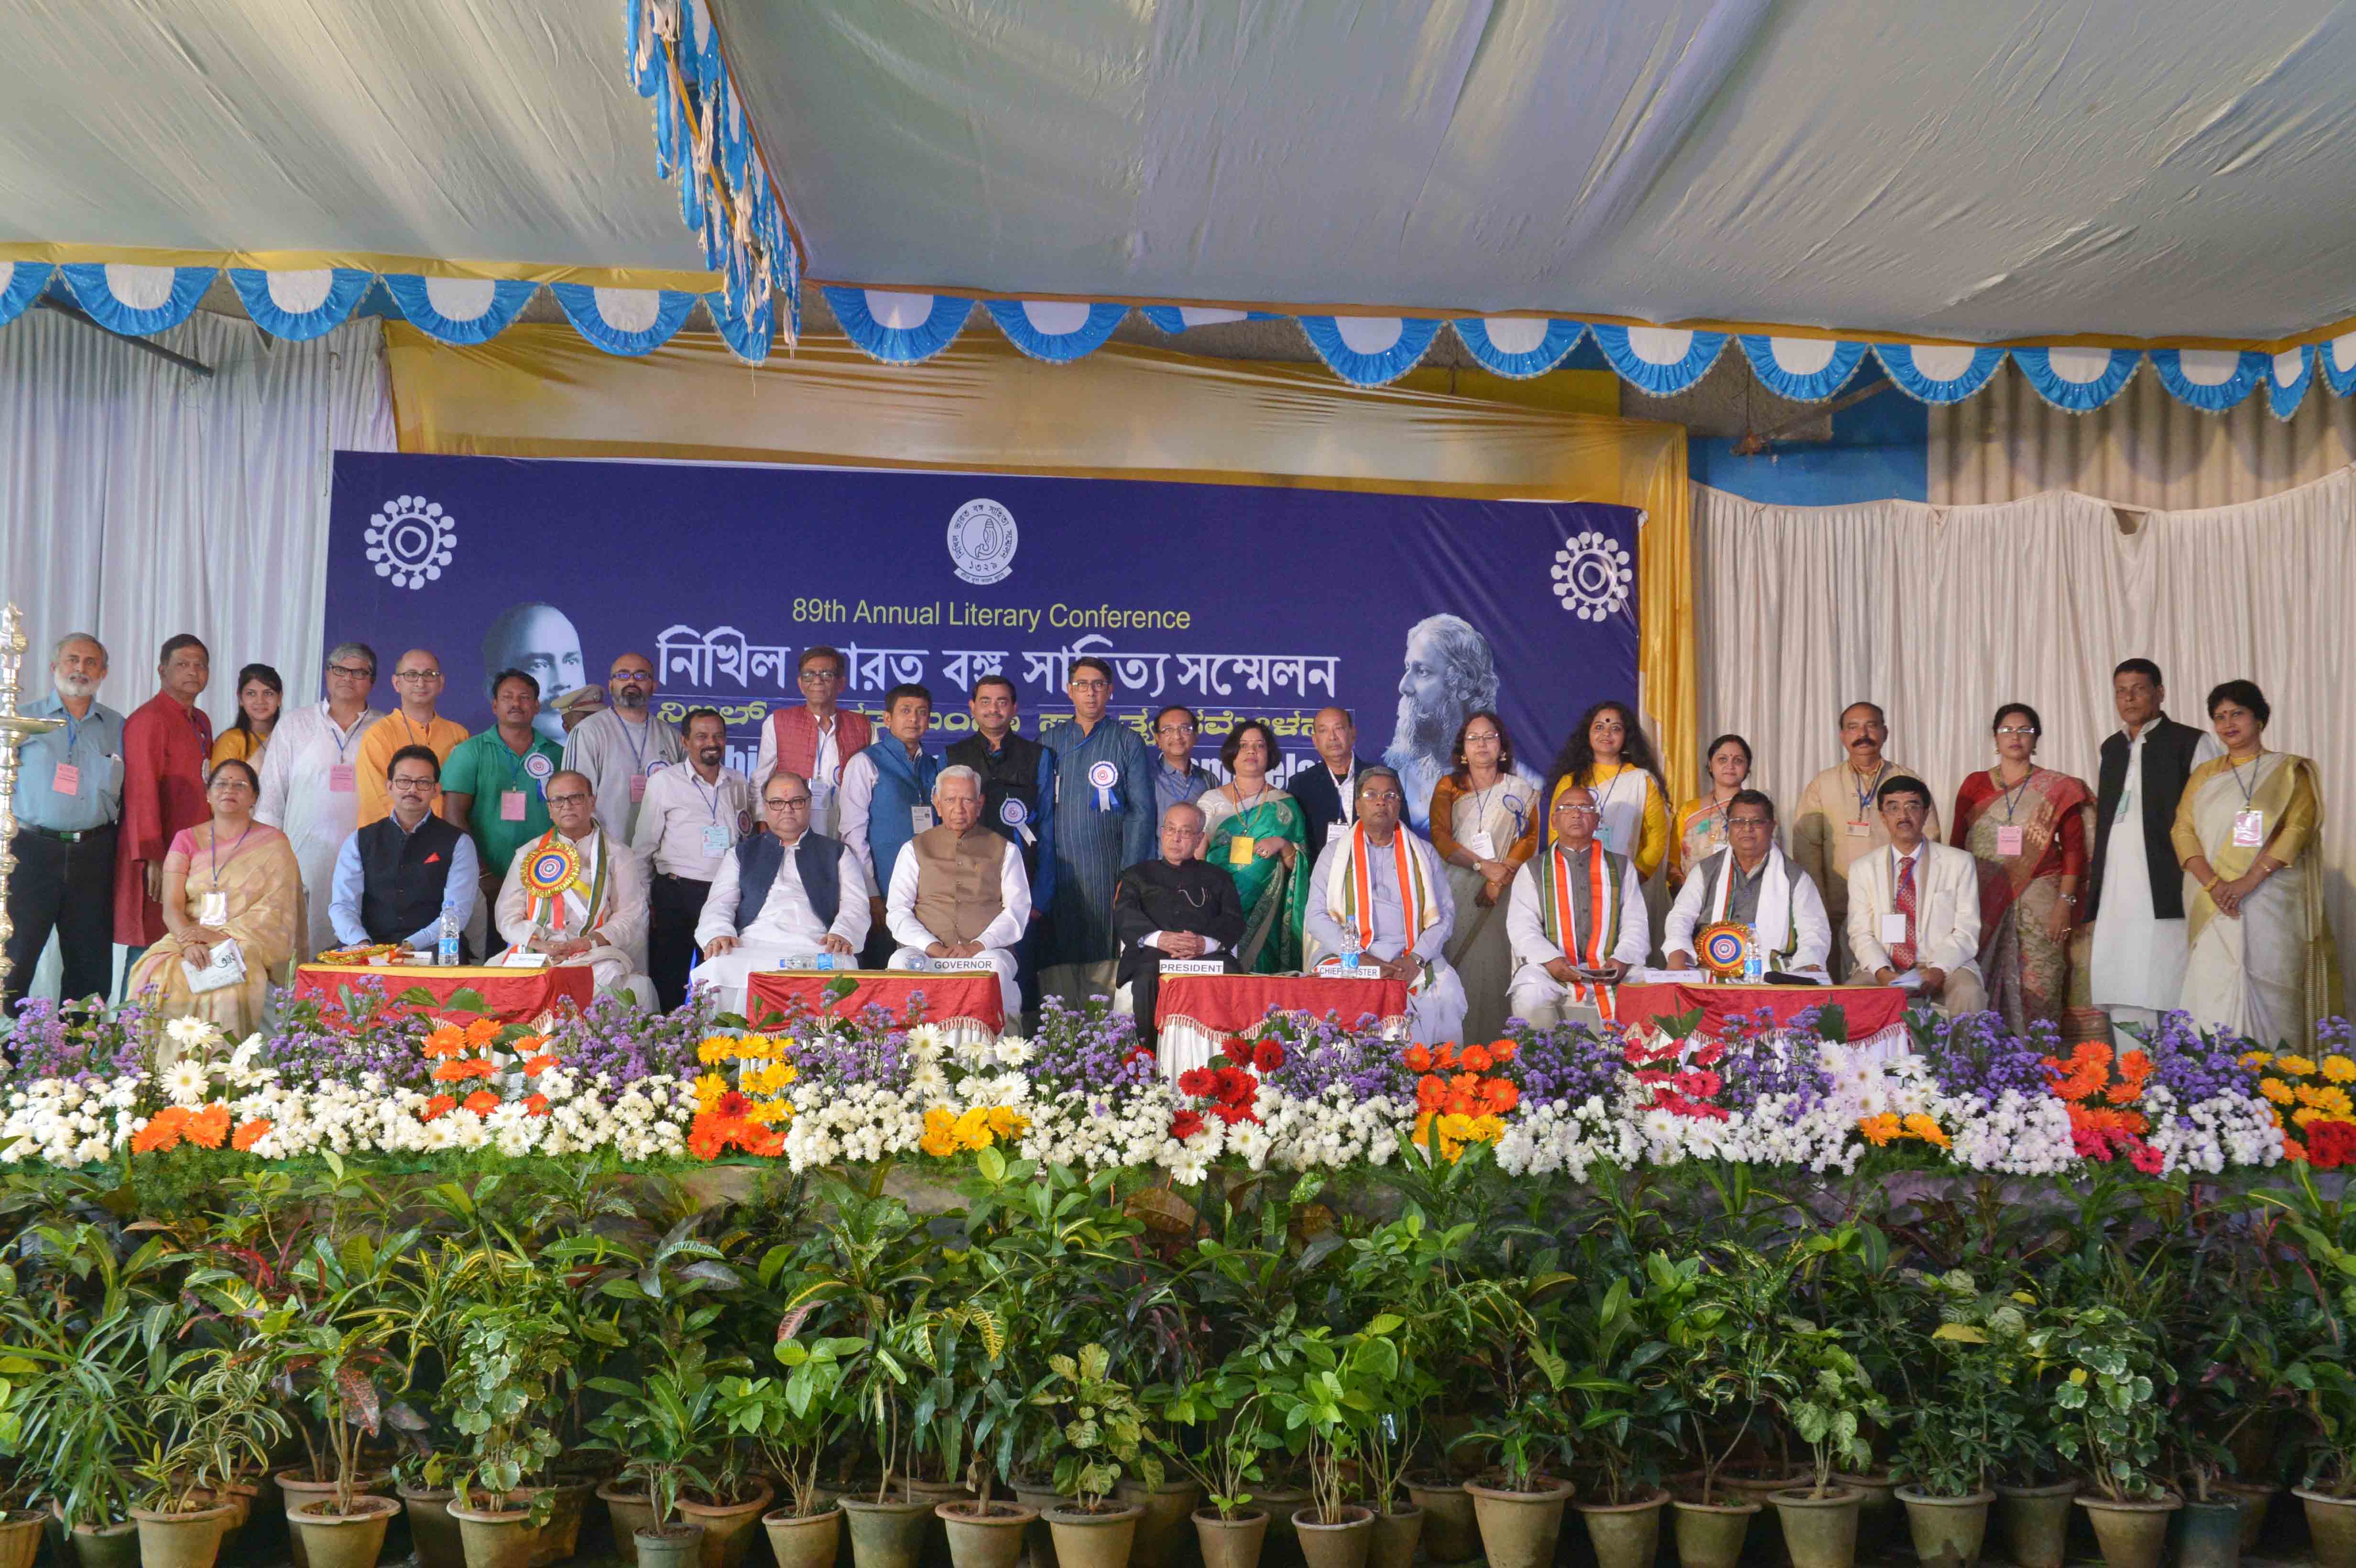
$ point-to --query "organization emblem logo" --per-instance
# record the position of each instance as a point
(410, 539)
(982, 538)
(1593, 576)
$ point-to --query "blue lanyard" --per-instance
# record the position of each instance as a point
(213, 845)
(697, 780)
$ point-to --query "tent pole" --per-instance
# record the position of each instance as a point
(1757, 442)
(73, 312)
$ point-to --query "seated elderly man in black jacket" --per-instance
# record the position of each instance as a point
(1175, 907)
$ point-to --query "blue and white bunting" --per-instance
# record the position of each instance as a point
(2209, 380)
(895, 327)
(1370, 350)
(749, 340)
(297, 305)
(2289, 375)
(624, 321)
(459, 310)
(1659, 360)
(1937, 372)
(2077, 380)
(1174, 319)
(1057, 331)
(1803, 370)
(21, 283)
(1518, 346)
(137, 300)
(2337, 360)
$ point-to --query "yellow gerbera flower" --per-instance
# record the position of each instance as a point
(2257, 1058)
(709, 1087)
(2275, 1088)
(2298, 1065)
(719, 1048)
(2340, 1069)
(1929, 1131)
(2325, 1098)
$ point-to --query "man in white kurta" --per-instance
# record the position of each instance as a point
(619, 749)
(2138, 957)
(1753, 882)
(310, 783)
(600, 920)
(1576, 912)
(959, 890)
(785, 923)
(1380, 891)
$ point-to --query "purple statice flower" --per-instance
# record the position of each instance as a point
(1322, 1053)
(612, 1038)
(361, 1030)
(40, 1045)
(81, 1042)
(1088, 1048)
(1763, 1063)
(2196, 1066)
(870, 1047)
(1566, 1064)
(1975, 1056)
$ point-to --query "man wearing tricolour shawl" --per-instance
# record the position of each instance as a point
(1379, 890)
(1577, 908)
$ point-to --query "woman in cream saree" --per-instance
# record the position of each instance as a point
(229, 879)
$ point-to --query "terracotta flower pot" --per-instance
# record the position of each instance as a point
(2331, 1521)
(1520, 1530)
(1396, 1533)
(353, 1540)
(20, 1537)
(804, 1540)
(1283, 1546)
(728, 1527)
(1819, 1531)
(295, 1488)
(1094, 1538)
(889, 1534)
(559, 1539)
(1344, 1544)
(1710, 1535)
(432, 1531)
(1230, 1542)
(2034, 1522)
(2207, 1535)
(984, 1535)
(668, 1545)
(630, 1512)
(106, 1545)
(1449, 1531)
(1948, 1531)
(1162, 1530)
(2132, 1534)
(1625, 1535)
(189, 1540)
(2258, 1501)
(495, 1537)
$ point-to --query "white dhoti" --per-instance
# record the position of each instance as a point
(2138, 963)
(729, 973)
(1543, 1002)
(612, 973)
(1435, 1001)
(1001, 959)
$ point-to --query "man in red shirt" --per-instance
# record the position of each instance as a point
(164, 744)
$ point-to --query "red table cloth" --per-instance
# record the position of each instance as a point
(1869, 1008)
(510, 996)
(1225, 1004)
(972, 998)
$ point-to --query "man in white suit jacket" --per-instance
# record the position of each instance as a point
(1941, 940)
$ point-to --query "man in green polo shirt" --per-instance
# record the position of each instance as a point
(495, 786)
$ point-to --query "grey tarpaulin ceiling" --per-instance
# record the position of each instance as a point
(2169, 170)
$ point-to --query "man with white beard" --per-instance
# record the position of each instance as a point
(1450, 673)
(68, 803)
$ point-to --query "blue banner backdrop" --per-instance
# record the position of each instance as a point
(1237, 601)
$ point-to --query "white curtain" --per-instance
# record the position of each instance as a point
(1941, 614)
(139, 499)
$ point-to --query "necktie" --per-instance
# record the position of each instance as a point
(1902, 955)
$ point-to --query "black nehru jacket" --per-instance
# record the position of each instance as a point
(2168, 749)
(403, 876)
(1154, 895)
(1321, 799)
(1012, 775)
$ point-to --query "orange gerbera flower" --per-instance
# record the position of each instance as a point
(1475, 1059)
(250, 1133)
(209, 1129)
(1446, 1059)
(446, 1041)
(1499, 1096)
(1428, 1093)
(1503, 1051)
(482, 1032)
(482, 1102)
(440, 1105)
(1879, 1129)
(459, 1072)
(163, 1131)
(1418, 1059)
(536, 1106)
(540, 1064)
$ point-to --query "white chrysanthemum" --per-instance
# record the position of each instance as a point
(191, 1033)
(188, 1082)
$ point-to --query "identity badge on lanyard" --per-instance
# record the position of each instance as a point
(342, 776)
(716, 841)
(1104, 779)
(2249, 823)
(66, 781)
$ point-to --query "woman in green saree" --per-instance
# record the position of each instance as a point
(1256, 833)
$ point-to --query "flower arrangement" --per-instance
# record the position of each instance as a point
(1458, 1098)
(2307, 1097)
(2101, 1089)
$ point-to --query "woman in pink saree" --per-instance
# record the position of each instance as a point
(2030, 828)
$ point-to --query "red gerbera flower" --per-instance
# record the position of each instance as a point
(1198, 1081)
(1185, 1125)
(1269, 1056)
(1239, 1051)
(1231, 1114)
(732, 1106)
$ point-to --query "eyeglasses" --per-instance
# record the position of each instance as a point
(352, 672)
(1091, 683)
(417, 675)
(1573, 808)
(1482, 735)
(639, 675)
(796, 803)
(1381, 797)
(1750, 822)
(2014, 729)
(1176, 730)
(413, 783)
(573, 799)
(820, 676)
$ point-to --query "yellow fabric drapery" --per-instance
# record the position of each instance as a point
(1125, 411)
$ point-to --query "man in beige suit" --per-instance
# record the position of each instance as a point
(1834, 822)
(1915, 906)
(601, 919)
(959, 890)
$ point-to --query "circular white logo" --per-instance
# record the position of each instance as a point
(1011, 813)
(410, 539)
(982, 538)
(1104, 775)
(538, 765)
(1593, 576)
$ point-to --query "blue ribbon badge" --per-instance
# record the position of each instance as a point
(1012, 813)
(1103, 777)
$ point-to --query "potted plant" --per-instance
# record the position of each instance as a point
(970, 1406)
(1102, 1430)
(1826, 1403)
(2320, 1326)
(2111, 1421)
(666, 1437)
(1954, 1435)
(1339, 1397)
(179, 1518)
(421, 1479)
(79, 1402)
(20, 1524)
(1519, 1507)
(790, 1421)
(512, 1344)
(1627, 1410)
(1726, 1367)
(1229, 1406)
(887, 1531)
(337, 1347)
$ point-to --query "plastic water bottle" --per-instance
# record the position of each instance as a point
(1754, 963)
(1350, 960)
(445, 951)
